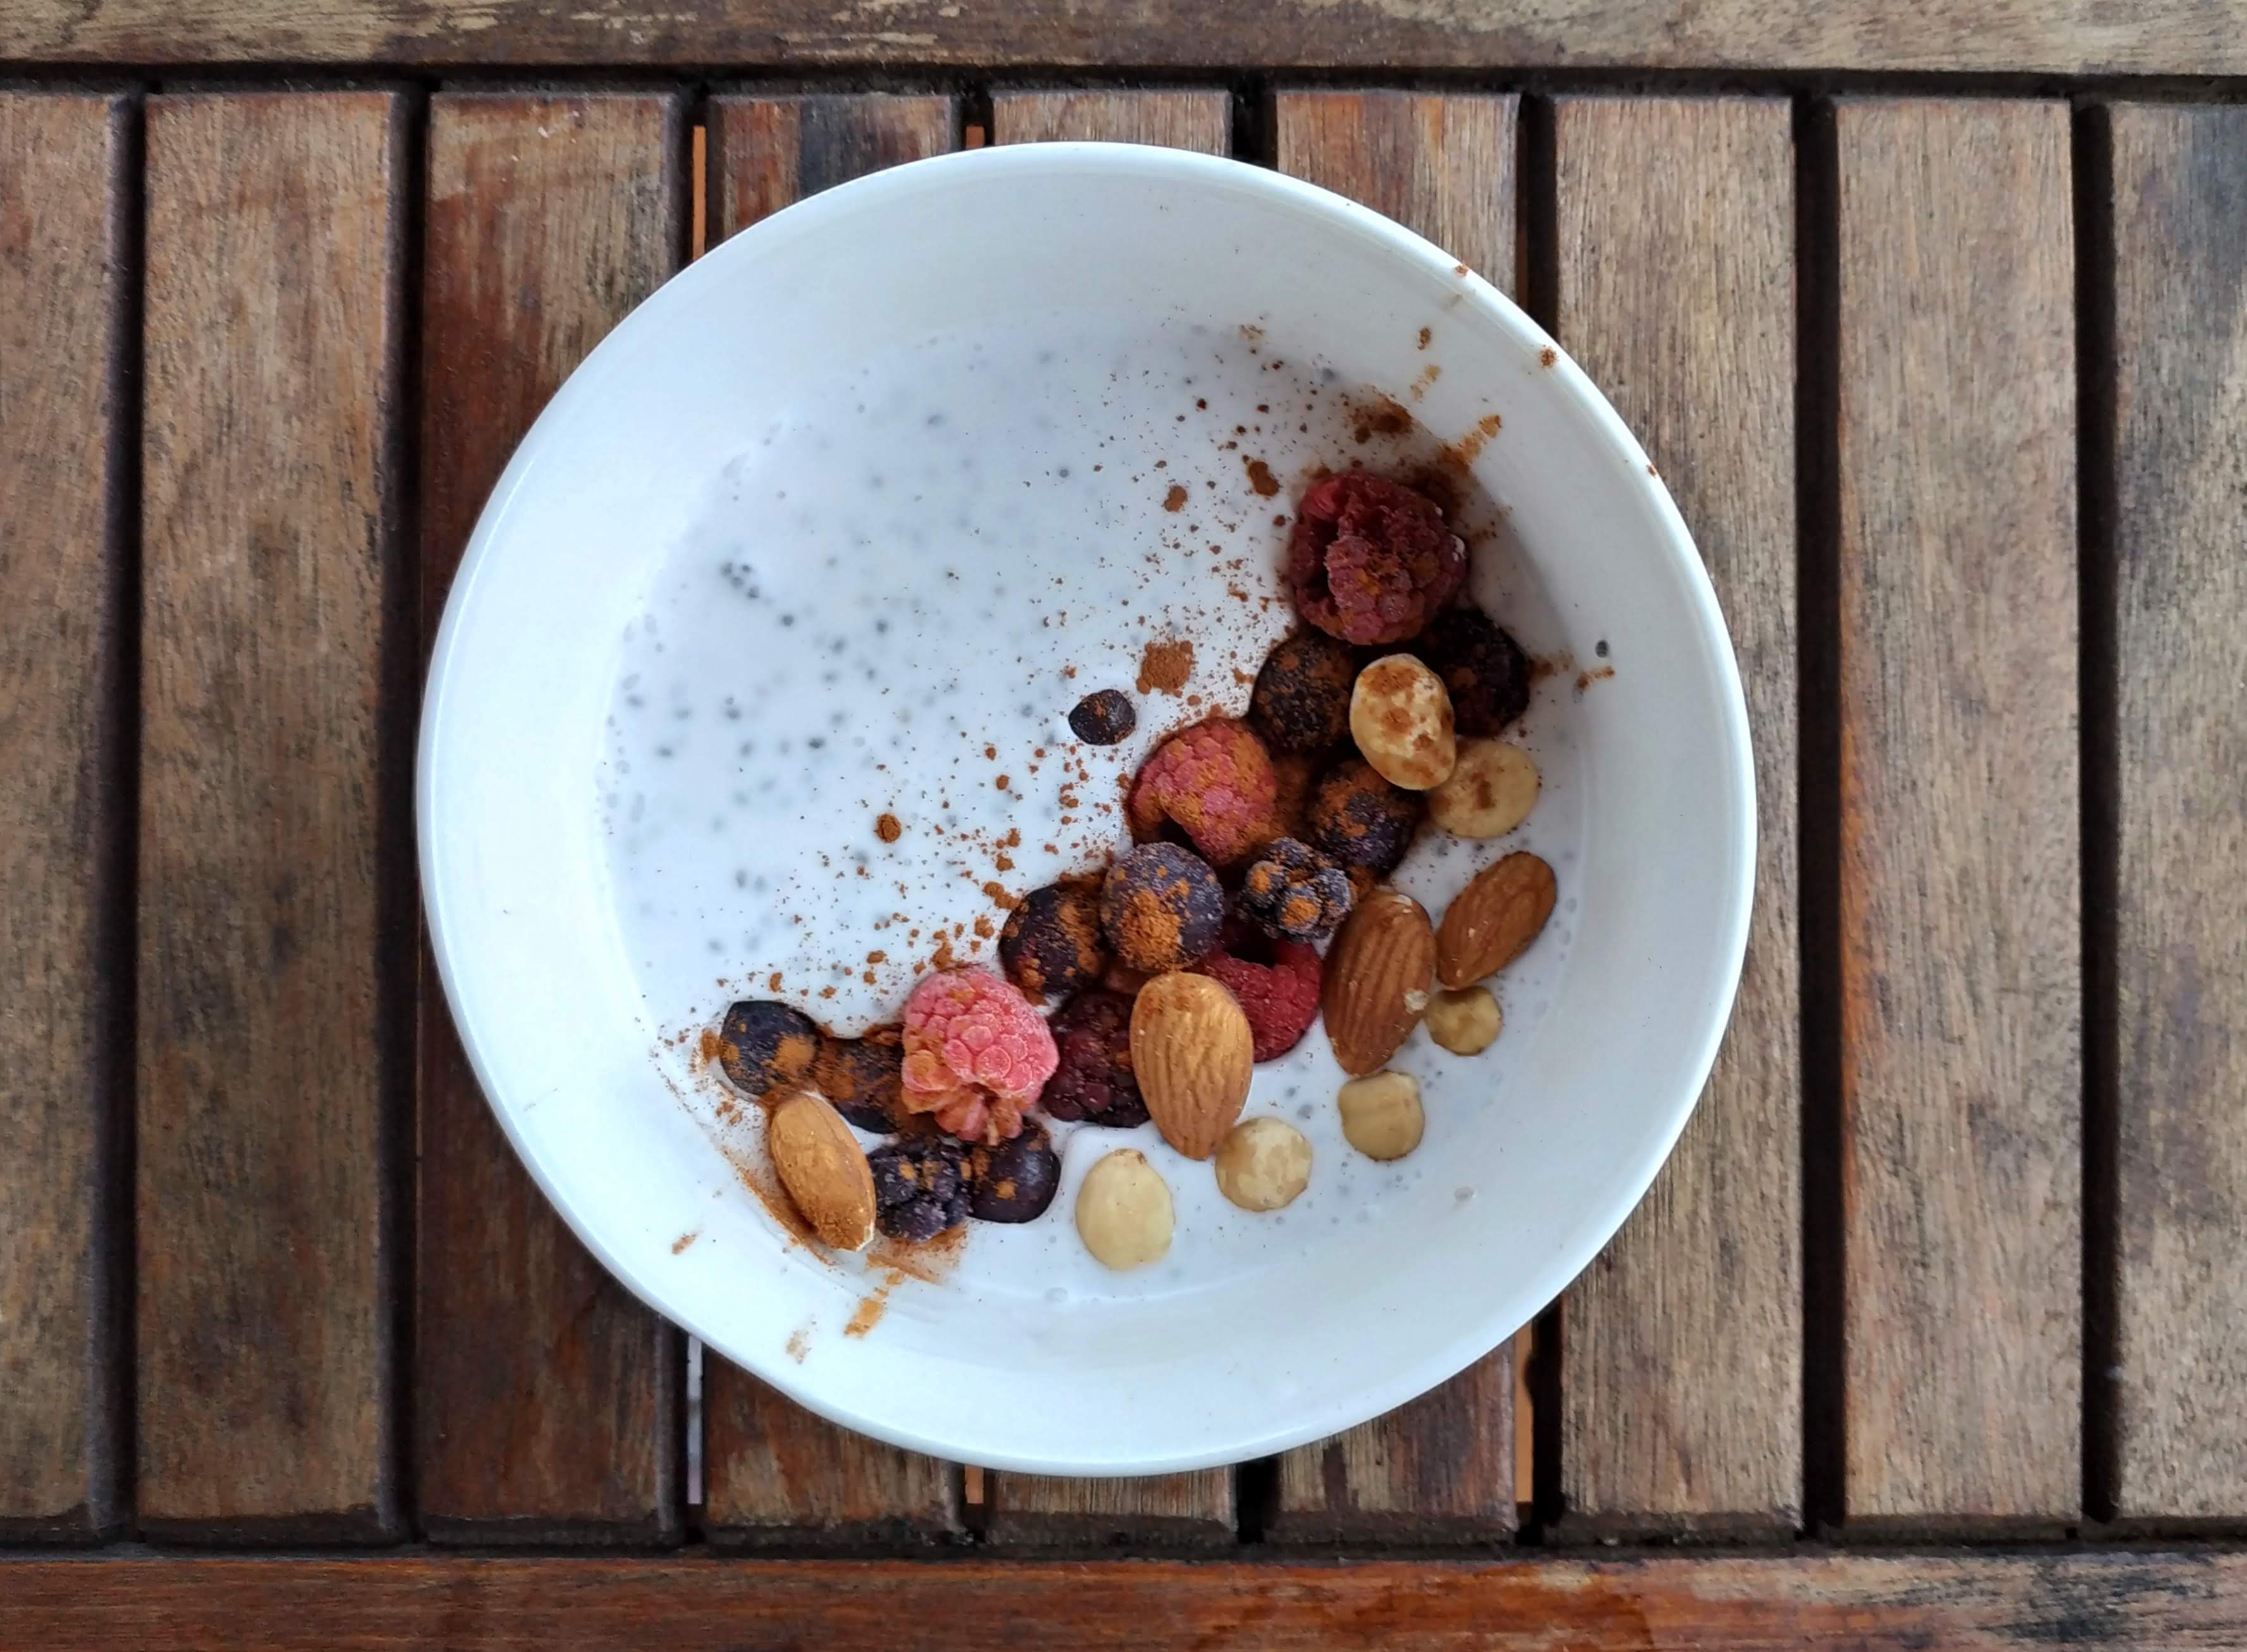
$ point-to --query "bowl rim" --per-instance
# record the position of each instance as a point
(1476, 1335)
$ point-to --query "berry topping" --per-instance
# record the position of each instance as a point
(1014, 1181)
(920, 1187)
(1052, 943)
(763, 1045)
(975, 1054)
(1161, 908)
(1361, 819)
(1294, 893)
(1302, 701)
(1371, 560)
(1484, 669)
(1276, 985)
(861, 1076)
(1103, 717)
(1094, 1082)
(1214, 782)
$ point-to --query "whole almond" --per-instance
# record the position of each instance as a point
(1494, 919)
(1192, 1053)
(1378, 974)
(823, 1169)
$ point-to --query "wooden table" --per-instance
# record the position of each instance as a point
(1934, 1332)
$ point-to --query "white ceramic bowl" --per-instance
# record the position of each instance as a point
(1258, 1338)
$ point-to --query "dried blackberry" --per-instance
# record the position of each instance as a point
(1294, 893)
(920, 1187)
(763, 1045)
(860, 1076)
(1301, 699)
(1103, 717)
(1483, 668)
(1095, 1082)
(1161, 907)
(1052, 944)
(1360, 819)
(1014, 1181)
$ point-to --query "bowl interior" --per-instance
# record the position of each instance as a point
(579, 990)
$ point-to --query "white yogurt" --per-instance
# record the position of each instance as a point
(888, 606)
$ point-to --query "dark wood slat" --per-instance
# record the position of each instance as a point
(61, 602)
(772, 1472)
(546, 1396)
(2180, 215)
(1443, 165)
(1682, 1361)
(1441, 1468)
(769, 151)
(1170, 1509)
(1199, 120)
(270, 595)
(2159, 37)
(1961, 866)
(1971, 1603)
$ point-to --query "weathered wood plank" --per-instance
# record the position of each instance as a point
(1444, 165)
(546, 1396)
(772, 1472)
(1961, 865)
(271, 591)
(1972, 1603)
(1682, 1375)
(2006, 36)
(1199, 120)
(62, 598)
(1442, 1467)
(2180, 217)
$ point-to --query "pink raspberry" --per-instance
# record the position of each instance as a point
(1371, 561)
(1215, 783)
(1281, 997)
(976, 1055)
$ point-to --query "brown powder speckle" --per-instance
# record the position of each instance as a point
(1176, 499)
(772, 982)
(888, 828)
(997, 894)
(1547, 357)
(1261, 477)
(1426, 333)
(798, 1345)
(1164, 666)
(1468, 448)
(1382, 418)
(1001, 781)
(684, 1240)
(1586, 679)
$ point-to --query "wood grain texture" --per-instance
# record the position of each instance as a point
(769, 151)
(270, 593)
(1199, 120)
(1442, 164)
(1442, 1468)
(2180, 216)
(772, 1473)
(1961, 869)
(62, 570)
(1167, 1509)
(1682, 1374)
(2050, 37)
(545, 1396)
(1969, 1602)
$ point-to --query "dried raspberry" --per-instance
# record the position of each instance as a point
(1483, 668)
(920, 1187)
(1294, 893)
(1277, 984)
(976, 1054)
(1302, 699)
(860, 1076)
(1361, 819)
(1094, 1082)
(1371, 560)
(1214, 782)
(1161, 907)
(1052, 943)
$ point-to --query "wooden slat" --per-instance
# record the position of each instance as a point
(2180, 216)
(1962, 993)
(1441, 1468)
(62, 567)
(271, 595)
(1441, 165)
(1170, 1509)
(546, 1396)
(1963, 1602)
(773, 1473)
(1682, 1357)
(2158, 36)
(1199, 120)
